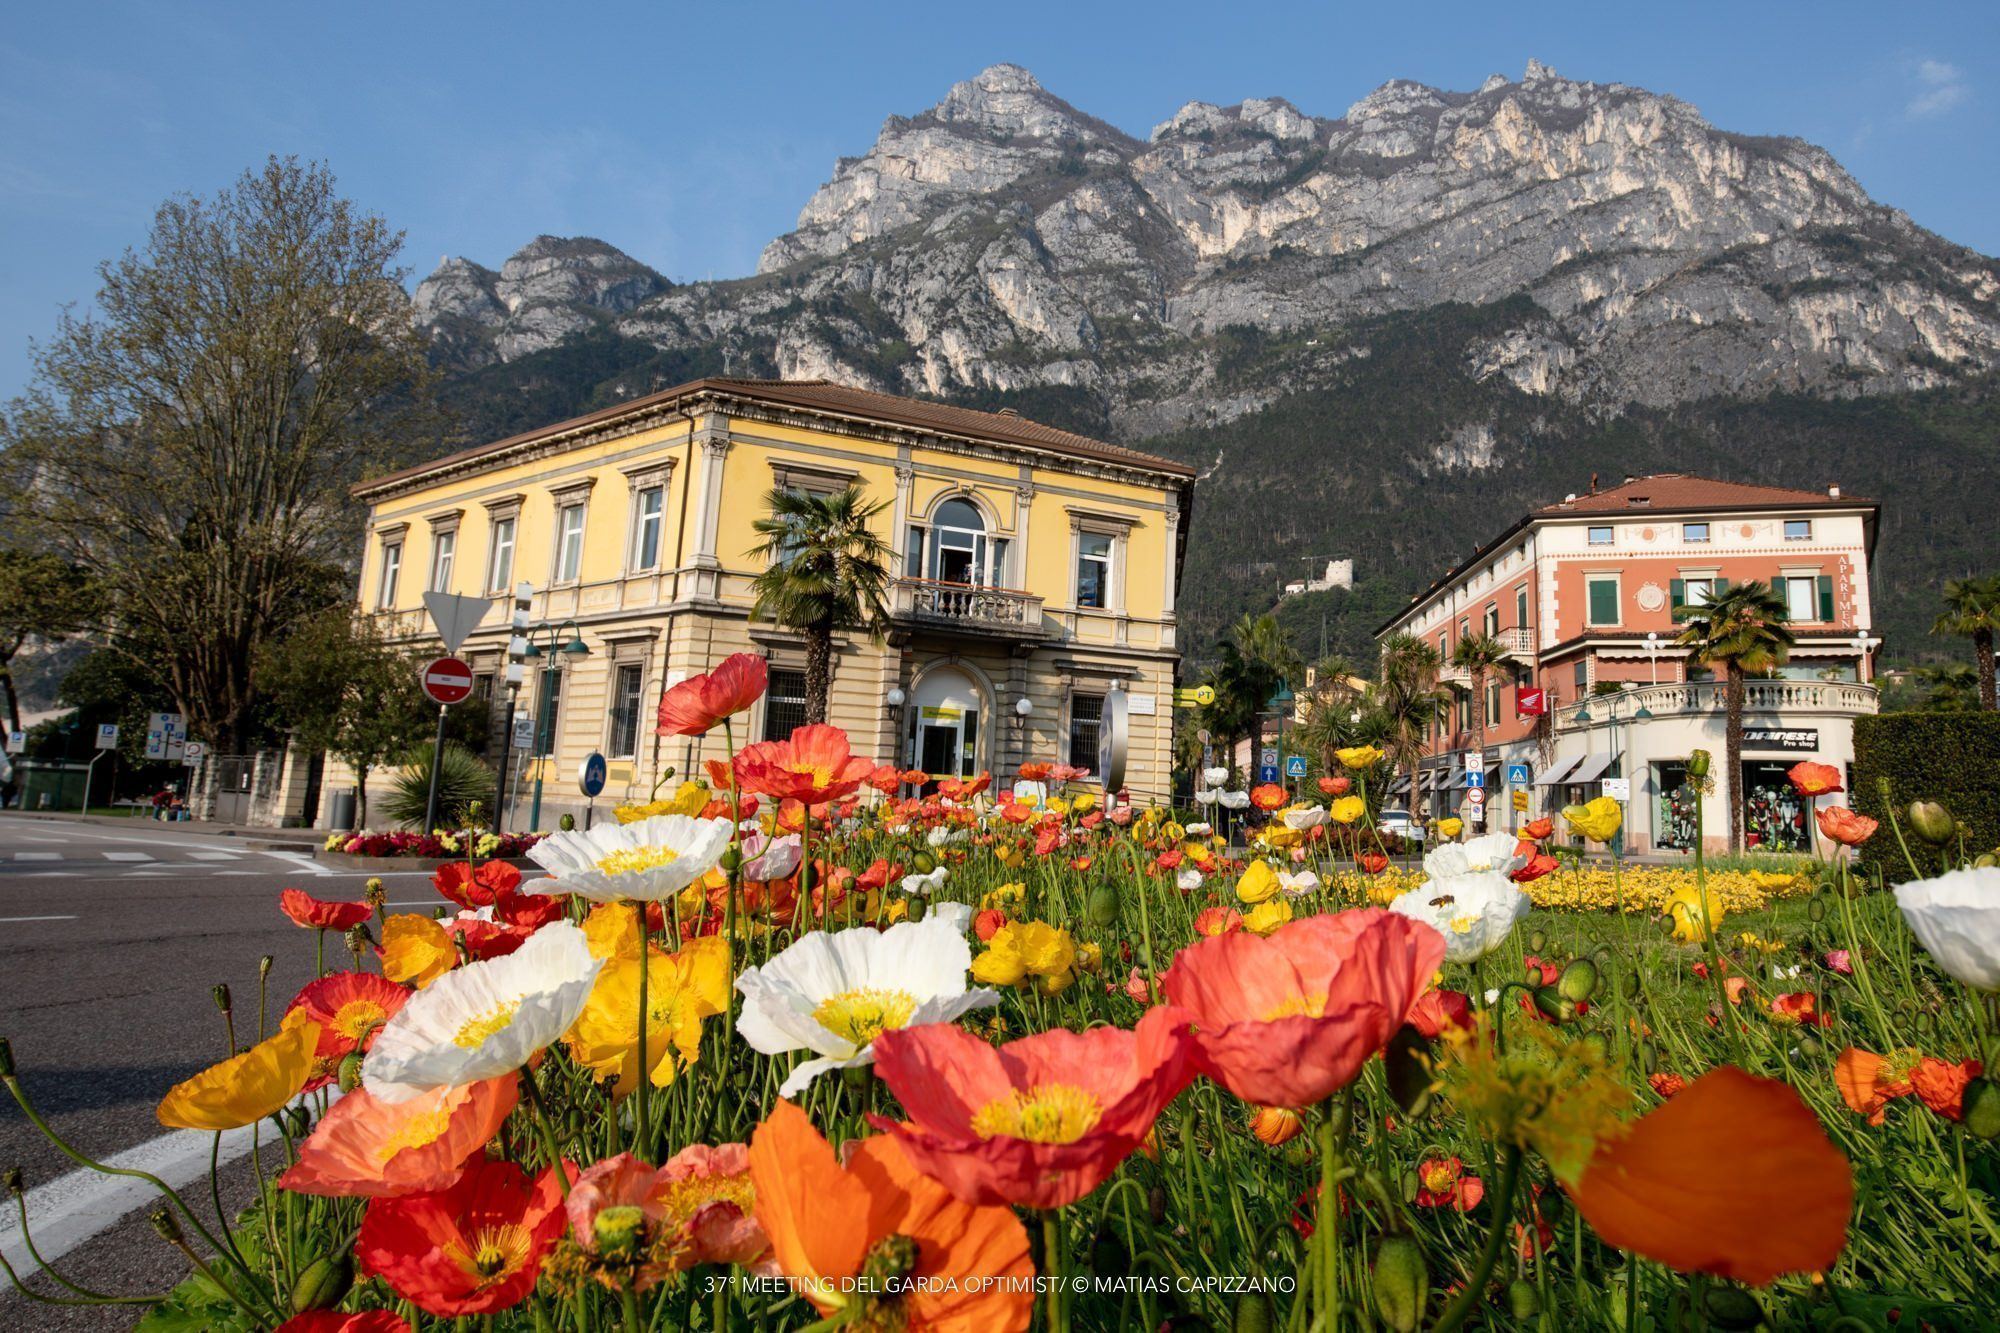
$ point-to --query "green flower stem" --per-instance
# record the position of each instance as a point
(1474, 1291)
(1052, 1265)
(735, 893)
(546, 1130)
(643, 1123)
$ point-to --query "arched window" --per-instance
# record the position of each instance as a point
(958, 543)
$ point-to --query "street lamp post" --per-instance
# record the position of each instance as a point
(1653, 653)
(1863, 644)
(539, 749)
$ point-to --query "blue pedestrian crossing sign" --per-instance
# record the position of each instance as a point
(1517, 775)
(1295, 765)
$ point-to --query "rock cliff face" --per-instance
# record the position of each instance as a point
(1004, 241)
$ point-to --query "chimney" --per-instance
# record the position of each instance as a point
(1834, 491)
(1593, 483)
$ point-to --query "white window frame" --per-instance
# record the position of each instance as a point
(1108, 563)
(444, 555)
(1790, 523)
(637, 560)
(499, 566)
(391, 575)
(568, 558)
(1618, 586)
(618, 674)
(1610, 535)
(1811, 582)
(1687, 533)
(1706, 582)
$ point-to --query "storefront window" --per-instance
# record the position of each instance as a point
(1774, 814)
(1675, 824)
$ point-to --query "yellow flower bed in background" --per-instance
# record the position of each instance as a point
(1646, 888)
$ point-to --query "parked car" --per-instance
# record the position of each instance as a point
(1396, 820)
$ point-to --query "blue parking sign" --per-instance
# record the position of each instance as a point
(1295, 765)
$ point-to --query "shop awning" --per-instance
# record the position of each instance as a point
(1399, 786)
(1591, 768)
(1552, 776)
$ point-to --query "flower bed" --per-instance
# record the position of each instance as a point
(780, 1057)
(441, 845)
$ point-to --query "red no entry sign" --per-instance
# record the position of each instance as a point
(447, 680)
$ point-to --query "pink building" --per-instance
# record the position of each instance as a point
(1583, 593)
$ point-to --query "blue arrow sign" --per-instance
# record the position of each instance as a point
(1268, 773)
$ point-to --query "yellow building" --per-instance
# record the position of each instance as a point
(1035, 572)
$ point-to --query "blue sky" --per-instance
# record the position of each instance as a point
(690, 135)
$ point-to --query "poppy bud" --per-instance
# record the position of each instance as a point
(1537, 941)
(1551, 1204)
(1523, 1301)
(1816, 907)
(220, 994)
(1254, 1313)
(1156, 1204)
(374, 894)
(1103, 904)
(1276, 1125)
(1402, 1283)
(1552, 1005)
(1578, 981)
(350, 1071)
(1932, 822)
(1595, 1042)
(1697, 764)
(321, 1285)
(1982, 1108)
(1810, 1048)
(1298, 1154)
(916, 909)
(1649, 1058)
(1413, 1185)
(264, 966)
(1628, 984)
(1732, 1308)
(567, 823)
(166, 1225)
(924, 863)
(1986, 861)
(11, 1179)
(1407, 1069)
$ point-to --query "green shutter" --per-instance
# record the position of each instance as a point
(1721, 586)
(1679, 595)
(1826, 599)
(1604, 602)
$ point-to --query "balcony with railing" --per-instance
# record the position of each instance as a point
(966, 608)
(1760, 697)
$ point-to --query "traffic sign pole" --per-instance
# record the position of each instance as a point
(446, 680)
(437, 762)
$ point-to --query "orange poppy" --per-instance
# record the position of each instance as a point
(1288, 1019)
(693, 1210)
(321, 914)
(828, 1222)
(1276, 1125)
(1666, 1084)
(1810, 779)
(1213, 921)
(695, 705)
(1869, 1082)
(1695, 1183)
(474, 1247)
(416, 949)
(814, 767)
(1338, 785)
(473, 887)
(1538, 828)
(1372, 863)
(1439, 1011)
(1798, 1009)
(1843, 826)
(1039, 1122)
(363, 1146)
(1268, 796)
(1940, 1084)
(1035, 772)
(350, 1008)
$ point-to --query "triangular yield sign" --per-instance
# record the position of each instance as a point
(455, 616)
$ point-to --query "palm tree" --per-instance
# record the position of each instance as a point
(1742, 630)
(1951, 687)
(828, 571)
(1409, 699)
(1972, 611)
(1477, 656)
(1255, 659)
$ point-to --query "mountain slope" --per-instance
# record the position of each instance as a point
(1444, 302)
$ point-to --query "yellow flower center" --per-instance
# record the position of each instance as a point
(1046, 1113)
(357, 1016)
(1438, 1176)
(864, 1014)
(419, 1131)
(495, 1254)
(1298, 1006)
(635, 859)
(1461, 924)
(684, 1197)
(475, 1032)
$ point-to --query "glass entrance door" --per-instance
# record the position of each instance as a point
(939, 746)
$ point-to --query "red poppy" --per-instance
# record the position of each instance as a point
(1844, 826)
(879, 874)
(887, 779)
(1338, 785)
(473, 887)
(1940, 1084)
(1212, 921)
(471, 1248)
(1439, 1011)
(699, 702)
(350, 1008)
(1443, 1183)
(320, 914)
(531, 911)
(486, 939)
(1810, 779)
(1800, 1009)
(1538, 828)
(815, 766)
(939, 1264)
(987, 924)
(1666, 1084)
(336, 1321)
(1372, 863)
(1288, 1019)
(1039, 1122)
(1762, 1155)
(1268, 796)
(1537, 865)
(915, 777)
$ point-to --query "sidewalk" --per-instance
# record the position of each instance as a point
(262, 839)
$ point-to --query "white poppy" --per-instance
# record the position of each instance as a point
(1215, 777)
(771, 858)
(958, 916)
(1297, 885)
(1304, 817)
(1235, 800)
(941, 836)
(1207, 796)
(1473, 912)
(833, 994)
(648, 861)
(1199, 830)
(484, 1019)
(922, 884)
(1188, 880)
(1489, 853)
(1957, 918)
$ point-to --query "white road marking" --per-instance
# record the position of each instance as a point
(127, 856)
(301, 860)
(70, 1209)
(216, 856)
(53, 874)
(39, 856)
(8, 920)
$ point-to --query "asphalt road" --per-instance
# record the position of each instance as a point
(111, 939)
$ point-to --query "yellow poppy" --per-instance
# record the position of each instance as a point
(1357, 758)
(1451, 826)
(681, 990)
(690, 799)
(1266, 917)
(1597, 820)
(1258, 883)
(244, 1089)
(1279, 838)
(1347, 809)
(1691, 923)
(416, 950)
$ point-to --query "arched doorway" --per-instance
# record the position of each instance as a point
(945, 723)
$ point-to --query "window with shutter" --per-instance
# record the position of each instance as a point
(1603, 600)
(1826, 599)
(1677, 595)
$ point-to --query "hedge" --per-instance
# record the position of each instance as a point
(1952, 758)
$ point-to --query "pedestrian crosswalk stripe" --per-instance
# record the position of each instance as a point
(128, 856)
(38, 856)
(214, 856)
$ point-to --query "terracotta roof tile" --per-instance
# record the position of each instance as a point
(1679, 490)
(826, 396)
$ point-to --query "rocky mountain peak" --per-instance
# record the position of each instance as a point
(1007, 100)
(549, 289)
